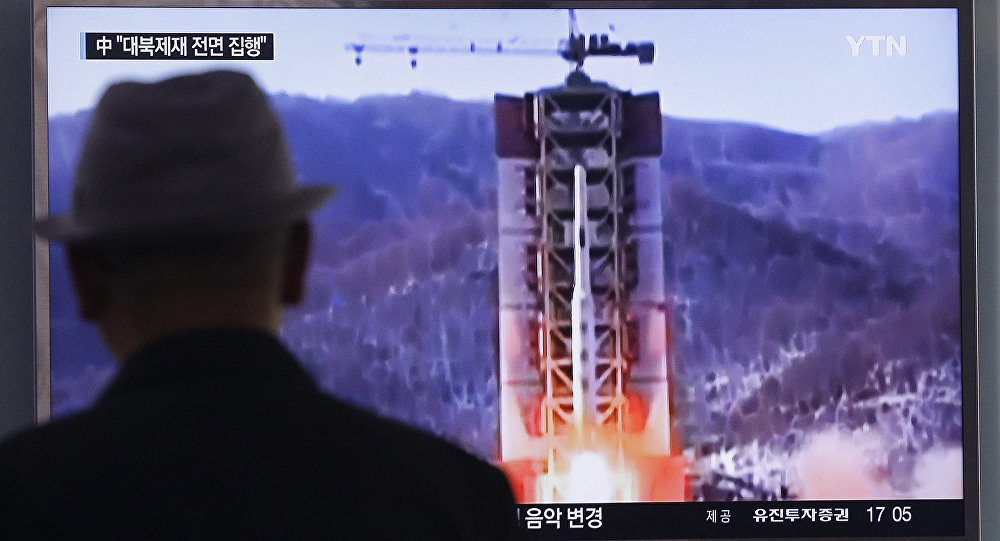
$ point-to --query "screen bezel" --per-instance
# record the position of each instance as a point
(967, 171)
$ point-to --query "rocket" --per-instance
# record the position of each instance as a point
(585, 411)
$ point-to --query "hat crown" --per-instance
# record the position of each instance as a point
(188, 155)
(189, 140)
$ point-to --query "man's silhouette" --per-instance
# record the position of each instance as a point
(187, 236)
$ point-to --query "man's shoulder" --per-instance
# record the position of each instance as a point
(38, 462)
(33, 443)
(383, 437)
(321, 431)
(309, 417)
(438, 477)
(318, 451)
(299, 414)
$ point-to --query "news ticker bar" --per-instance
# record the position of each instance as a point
(869, 519)
(176, 46)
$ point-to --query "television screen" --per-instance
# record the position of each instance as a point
(680, 272)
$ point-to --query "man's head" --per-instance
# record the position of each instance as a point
(185, 211)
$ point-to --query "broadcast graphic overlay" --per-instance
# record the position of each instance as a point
(681, 274)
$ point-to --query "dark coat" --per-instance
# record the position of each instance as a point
(221, 435)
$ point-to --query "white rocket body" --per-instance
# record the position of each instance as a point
(585, 411)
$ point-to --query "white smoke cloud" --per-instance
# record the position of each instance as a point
(938, 474)
(839, 465)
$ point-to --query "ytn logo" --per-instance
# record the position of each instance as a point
(892, 43)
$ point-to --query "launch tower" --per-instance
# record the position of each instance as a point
(584, 393)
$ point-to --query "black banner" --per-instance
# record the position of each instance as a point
(869, 519)
(175, 46)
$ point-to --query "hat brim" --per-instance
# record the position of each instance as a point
(228, 217)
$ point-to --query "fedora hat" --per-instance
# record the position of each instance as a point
(191, 156)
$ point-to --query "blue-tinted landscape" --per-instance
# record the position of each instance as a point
(813, 284)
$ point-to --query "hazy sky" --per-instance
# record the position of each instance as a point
(790, 69)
